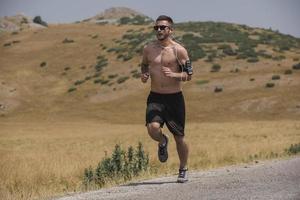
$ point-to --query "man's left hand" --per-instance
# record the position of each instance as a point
(167, 72)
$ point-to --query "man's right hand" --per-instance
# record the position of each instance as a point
(144, 77)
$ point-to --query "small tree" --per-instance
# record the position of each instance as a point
(38, 20)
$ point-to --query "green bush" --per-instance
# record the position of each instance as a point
(295, 59)
(111, 76)
(218, 89)
(122, 79)
(296, 66)
(38, 20)
(278, 58)
(66, 40)
(202, 82)
(293, 149)
(136, 20)
(275, 77)
(102, 62)
(288, 71)
(120, 166)
(7, 44)
(135, 73)
(215, 68)
(78, 82)
(252, 60)
(43, 64)
(269, 85)
(72, 89)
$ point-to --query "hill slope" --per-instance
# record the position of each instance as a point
(90, 71)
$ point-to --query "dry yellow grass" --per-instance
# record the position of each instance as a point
(39, 160)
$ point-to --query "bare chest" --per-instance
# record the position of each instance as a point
(163, 57)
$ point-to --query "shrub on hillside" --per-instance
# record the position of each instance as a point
(102, 62)
(215, 68)
(275, 77)
(252, 60)
(7, 44)
(111, 76)
(66, 40)
(295, 59)
(72, 89)
(202, 82)
(218, 89)
(79, 82)
(122, 79)
(136, 20)
(43, 64)
(278, 58)
(296, 66)
(38, 20)
(269, 85)
(288, 71)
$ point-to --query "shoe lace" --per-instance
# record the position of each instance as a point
(182, 173)
(162, 149)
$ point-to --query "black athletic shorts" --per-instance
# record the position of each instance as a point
(167, 108)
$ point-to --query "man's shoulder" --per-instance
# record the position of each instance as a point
(179, 47)
(149, 45)
(181, 50)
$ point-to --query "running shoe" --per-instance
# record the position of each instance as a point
(163, 150)
(182, 176)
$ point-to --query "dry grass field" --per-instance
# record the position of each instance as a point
(39, 160)
(48, 136)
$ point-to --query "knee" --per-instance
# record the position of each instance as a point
(153, 128)
(179, 139)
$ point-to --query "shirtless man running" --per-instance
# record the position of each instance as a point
(167, 64)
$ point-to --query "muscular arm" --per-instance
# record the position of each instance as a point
(182, 75)
(144, 67)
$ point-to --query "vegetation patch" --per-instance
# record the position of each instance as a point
(202, 82)
(136, 20)
(43, 64)
(131, 44)
(66, 40)
(218, 89)
(296, 66)
(269, 85)
(275, 77)
(293, 149)
(72, 89)
(215, 68)
(38, 20)
(288, 71)
(122, 79)
(101, 63)
(135, 73)
(119, 167)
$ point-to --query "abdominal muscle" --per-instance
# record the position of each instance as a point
(161, 83)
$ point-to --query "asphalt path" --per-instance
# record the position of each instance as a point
(265, 180)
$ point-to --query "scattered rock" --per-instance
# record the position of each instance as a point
(218, 89)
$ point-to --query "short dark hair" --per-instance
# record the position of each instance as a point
(165, 17)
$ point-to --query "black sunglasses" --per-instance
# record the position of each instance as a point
(162, 27)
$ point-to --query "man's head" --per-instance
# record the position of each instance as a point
(163, 27)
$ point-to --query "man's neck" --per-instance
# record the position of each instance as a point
(165, 43)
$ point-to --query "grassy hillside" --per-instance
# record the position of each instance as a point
(83, 70)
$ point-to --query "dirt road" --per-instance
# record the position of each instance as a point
(267, 180)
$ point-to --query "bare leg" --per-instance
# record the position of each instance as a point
(155, 133)
(182, 150)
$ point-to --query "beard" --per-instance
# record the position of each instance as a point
(161, 36)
